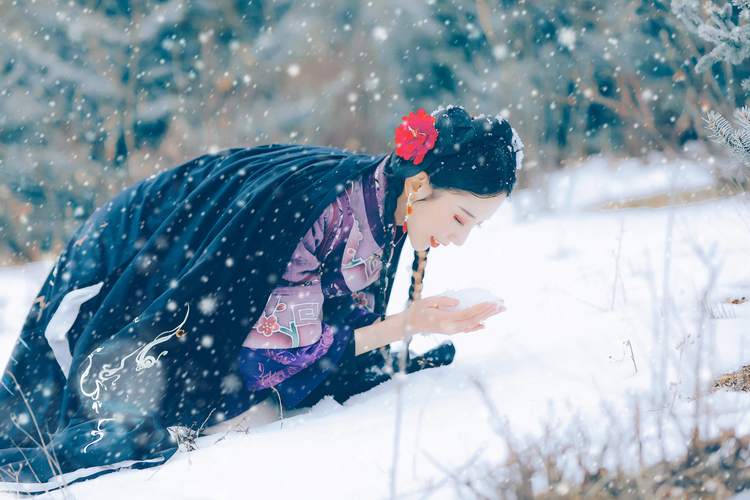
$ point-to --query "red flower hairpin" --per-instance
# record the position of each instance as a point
(415, 136)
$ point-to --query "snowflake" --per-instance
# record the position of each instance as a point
(207, 305)
(380, 33)
(567, 38)
(230, 383)
(500, 51)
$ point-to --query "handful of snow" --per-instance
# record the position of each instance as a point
(470, 297)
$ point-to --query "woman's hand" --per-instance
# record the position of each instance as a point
(426, 316)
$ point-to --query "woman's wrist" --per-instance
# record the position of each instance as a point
(382, 333)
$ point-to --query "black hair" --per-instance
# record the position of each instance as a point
(480, 168)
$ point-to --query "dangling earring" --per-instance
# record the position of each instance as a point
(408, 211)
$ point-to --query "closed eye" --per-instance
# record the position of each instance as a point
(479, 225)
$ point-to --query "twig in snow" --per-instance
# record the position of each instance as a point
(617, 266)
(52, 462)
(663, 341)
(419, 428)
(203, 425)
(399, 379)
(632, 355)
(451, 475)
(230, 430)
(494, 414)
(281, 409)
(638, 436)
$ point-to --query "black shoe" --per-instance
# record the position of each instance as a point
(382, 367)
(374, 368)
(439, 356)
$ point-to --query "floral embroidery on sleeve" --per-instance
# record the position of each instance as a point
(360, 298)
(290, 319)
(266, 325)
(278, 365)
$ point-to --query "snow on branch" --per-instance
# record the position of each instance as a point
(732, 44)
(732, 41)
(722, 132)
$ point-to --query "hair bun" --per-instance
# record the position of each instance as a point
(454, 127)
(456, 130)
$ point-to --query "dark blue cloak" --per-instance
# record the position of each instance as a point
(187, 258)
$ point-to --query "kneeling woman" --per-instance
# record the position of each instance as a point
(199, 292)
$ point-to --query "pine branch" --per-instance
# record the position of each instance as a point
(742, 115)
(731, 42)
(744, 153)
(708, 60)
(720, 18)
(722, 132)
(687, 14)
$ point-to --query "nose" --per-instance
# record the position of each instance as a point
(459, 239)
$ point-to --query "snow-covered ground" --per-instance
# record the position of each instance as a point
(582, 288)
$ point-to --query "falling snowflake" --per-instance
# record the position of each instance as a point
(380, 33)
(500, 51)
(567, 38)
(207, 305)
(230, 383)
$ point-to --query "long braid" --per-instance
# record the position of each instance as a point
(391, 201)
(394, 182)
(417, 275)
(420, 257)
(418, 266)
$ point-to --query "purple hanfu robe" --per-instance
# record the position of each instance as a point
(290, 347)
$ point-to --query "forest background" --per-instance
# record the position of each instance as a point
(95, 95)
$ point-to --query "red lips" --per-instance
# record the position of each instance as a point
(433, 242)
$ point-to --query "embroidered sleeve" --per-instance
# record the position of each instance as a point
(306, 257)
(302, 324)
(354, 310)
(363, 307)
(291, 319)
(292, 316)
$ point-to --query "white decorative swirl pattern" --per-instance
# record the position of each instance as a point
(142, 361)
(99, 433)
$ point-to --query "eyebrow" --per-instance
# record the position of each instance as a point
(467, 212)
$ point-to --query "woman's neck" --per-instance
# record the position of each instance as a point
(400, 212)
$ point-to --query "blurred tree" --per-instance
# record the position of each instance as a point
(96, 94)
(728, 30)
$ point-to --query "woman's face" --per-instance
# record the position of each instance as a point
(445, 217)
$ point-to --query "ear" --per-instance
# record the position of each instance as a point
(418, 186)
